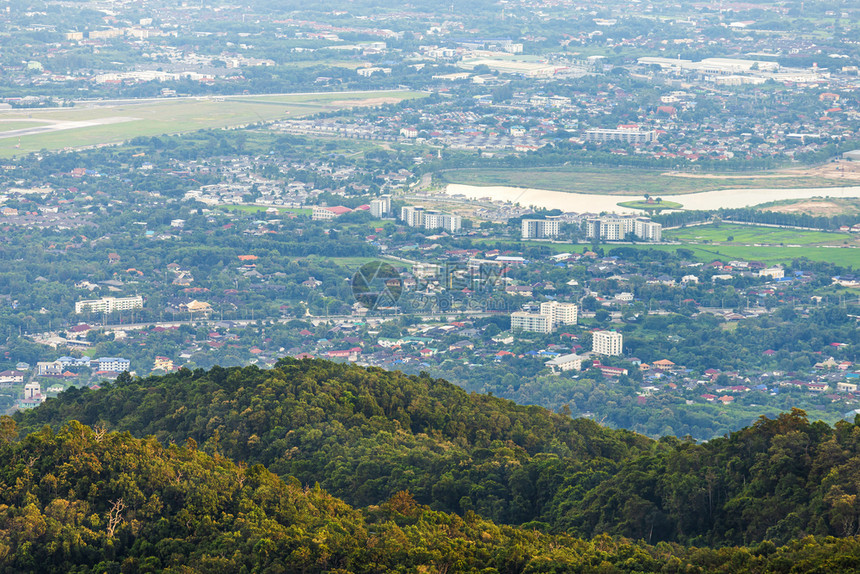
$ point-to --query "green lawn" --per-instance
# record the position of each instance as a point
(750, 234)
(172, 116)
(624, 181)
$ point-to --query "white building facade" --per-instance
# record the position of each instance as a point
(109, 304)
(609, 343)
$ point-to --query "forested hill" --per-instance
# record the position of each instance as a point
(362, 433)
(366, 434)
(88, 501)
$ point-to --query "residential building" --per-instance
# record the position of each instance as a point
(32, 390)
(560, 313)
(437, 219)
(416, 216)
(772, 272)
(109, 304)
(539, 228)
(163, 364)
(571, 362)
(551, 315)
(627, 135)
(11, 377)
(413, 216)
(111, 364)
(533, 322)
(74, 362)
(617, 227)
(320, 213)
(609, 228)
(381, 206)
(647, 230)
(49, 368)
(33, 396)
(607, 343)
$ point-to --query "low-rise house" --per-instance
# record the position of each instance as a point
(8, 378)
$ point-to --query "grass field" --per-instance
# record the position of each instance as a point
(653, 206)
(847, 257)
(625, 181)
(346, 262)
(754, 235)
(8, 126)
(114, 123)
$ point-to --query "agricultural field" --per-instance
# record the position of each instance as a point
(846, 256)
(753, 235)
(624, 181)
(99, 123)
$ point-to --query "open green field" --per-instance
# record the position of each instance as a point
(754, 235)
(8, 126)
(846, 257)
(623, 181)
(90, 125)
(346, 262)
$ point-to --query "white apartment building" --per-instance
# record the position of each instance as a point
(560, 313)
(109, 304)
(113, 364)
(532, 322)
(606, 343)
(616, 228)
(415, 216)
(571, 362)
(540, 228)
(437, 219)
(610, 228)
(620, 135)
(552, 314)
(381, 206)
(647, 230)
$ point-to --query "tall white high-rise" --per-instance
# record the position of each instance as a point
(608, 343)
(381, 206)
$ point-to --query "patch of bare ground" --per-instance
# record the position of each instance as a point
(837, 170)
(822, 208)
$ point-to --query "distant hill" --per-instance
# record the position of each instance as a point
(365, 434)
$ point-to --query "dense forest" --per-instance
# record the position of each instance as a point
(366, 434)
(86, 500)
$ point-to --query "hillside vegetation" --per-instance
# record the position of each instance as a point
(366, 434)
(88, 501)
